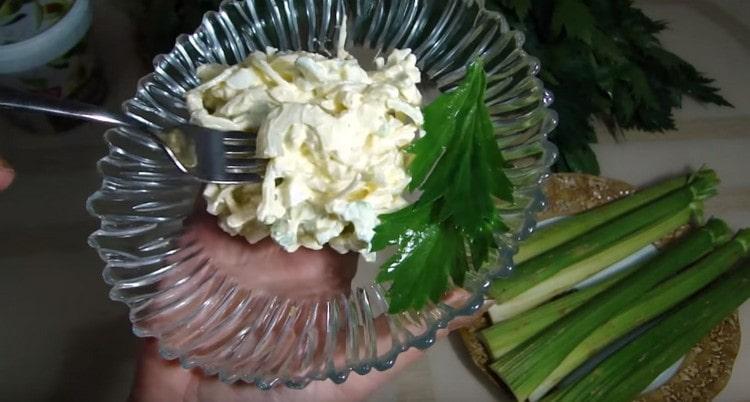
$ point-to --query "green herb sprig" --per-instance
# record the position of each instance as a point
(458, 167)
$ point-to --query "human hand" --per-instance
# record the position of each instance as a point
(285, 273)
(6, 174)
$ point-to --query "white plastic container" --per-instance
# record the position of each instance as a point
(48, 45)
(51, 57)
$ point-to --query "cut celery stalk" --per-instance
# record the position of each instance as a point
(566, 277)
(524, 368)
(542, 267)
(502, 337)
(624, 374)
(654, 303)
(549, 237)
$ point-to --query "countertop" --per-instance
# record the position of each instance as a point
(63, 339)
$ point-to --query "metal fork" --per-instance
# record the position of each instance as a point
(226, 157)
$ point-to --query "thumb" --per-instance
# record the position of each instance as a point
(6, 174)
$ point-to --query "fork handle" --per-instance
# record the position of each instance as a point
(19, 100)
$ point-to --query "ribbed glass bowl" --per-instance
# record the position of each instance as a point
(209, 318)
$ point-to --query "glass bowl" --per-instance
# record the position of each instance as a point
(225, 324)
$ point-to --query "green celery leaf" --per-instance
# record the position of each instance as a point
(482, 240)
(419, 271)
(393, 226)
(636, 78)
(575, 17)
(440, 122)
(605, 47)
(473, 162)
(458, 166)
(579, 157)
(459, 265)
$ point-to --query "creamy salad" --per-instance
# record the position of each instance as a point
(334, 135)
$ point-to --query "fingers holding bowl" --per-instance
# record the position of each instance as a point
(258, 310)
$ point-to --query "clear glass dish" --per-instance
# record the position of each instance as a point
(207, 317)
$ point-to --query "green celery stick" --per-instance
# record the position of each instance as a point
(502, 337)
(549, 237)
(624, 374)
(524, 368)
(654, 303)
(567, 277)
(542, 267)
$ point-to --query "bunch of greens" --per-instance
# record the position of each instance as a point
(602, 60)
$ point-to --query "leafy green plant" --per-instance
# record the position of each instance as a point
(602, 60)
